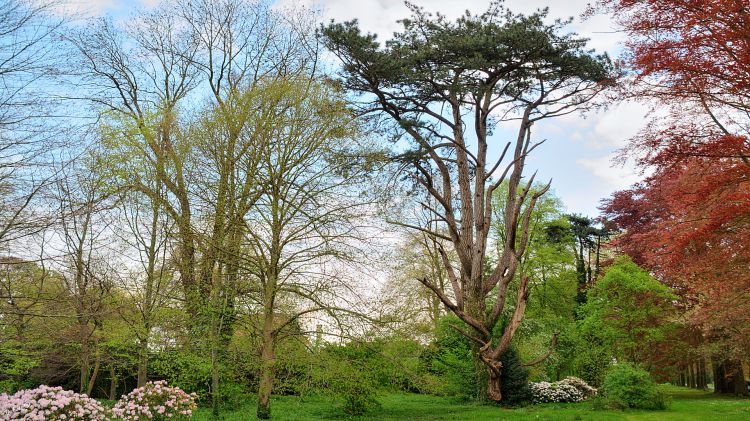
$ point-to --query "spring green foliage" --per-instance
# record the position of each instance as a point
(16, 365)
(628, 313)
(627, 386)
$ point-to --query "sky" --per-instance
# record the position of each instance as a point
(577, 155)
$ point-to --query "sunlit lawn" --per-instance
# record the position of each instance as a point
(687, 405)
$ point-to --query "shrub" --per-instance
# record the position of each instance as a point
(514, 379)
(570, 389)
(49, 403)
(626, 386)
(155, 401)
(359, 399)
(337, 374)
(543, 392)
(586, 390)
(190, 371)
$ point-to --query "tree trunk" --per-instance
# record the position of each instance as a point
(266, 376)
(142, 362)
(494, 385)
(719, 378)
(703, 383)
(112, 382)
(738, 378)
(267, 360)
(85, 357)
(691, 376)
(214, 378)
(729, 378)
(94, 374)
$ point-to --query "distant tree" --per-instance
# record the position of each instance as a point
(442, 87)
(407, 304)
(83, 197)
(196, 161)
(588, 236)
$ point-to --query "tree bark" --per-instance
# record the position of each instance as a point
(142, 362)
(215, 378)
(738, 378)
(703, 375)
(719, 377)
(267, 360)
(85, 356)
(691, 376)
(494, 383)
(94, 374)
(729, 378)
(112, 382)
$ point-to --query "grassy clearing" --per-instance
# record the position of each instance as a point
(687, 405)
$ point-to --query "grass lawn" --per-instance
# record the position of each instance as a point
(687, 405)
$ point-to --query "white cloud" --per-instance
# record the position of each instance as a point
(84, 8)
(614, 175)
(94, 8)
(608, 129)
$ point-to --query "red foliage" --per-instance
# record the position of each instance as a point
(690, 223)
(688, 46)
(690, 220)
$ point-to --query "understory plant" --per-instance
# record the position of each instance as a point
(46, 403)
(155, 401)
(627, 386)
(570, 389)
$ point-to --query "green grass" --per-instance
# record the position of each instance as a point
(687, 405)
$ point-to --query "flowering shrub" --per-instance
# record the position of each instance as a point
(570, 389)
(580, 384)
(47, 403)
(155, 401)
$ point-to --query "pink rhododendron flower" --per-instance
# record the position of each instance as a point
(47, 403)
(155, 401)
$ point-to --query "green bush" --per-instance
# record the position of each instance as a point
(190, 371)
(592, 360)
(16, 365)
(340, 373)
(232, 395)
(359, 399)
(626, 386)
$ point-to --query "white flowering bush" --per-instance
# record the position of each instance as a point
(47, 403)
(580, 384)
(570, 389)
(155, 401)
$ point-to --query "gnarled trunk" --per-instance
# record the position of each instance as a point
(494, 383)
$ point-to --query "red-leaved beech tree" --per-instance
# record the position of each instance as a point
(689, 221)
